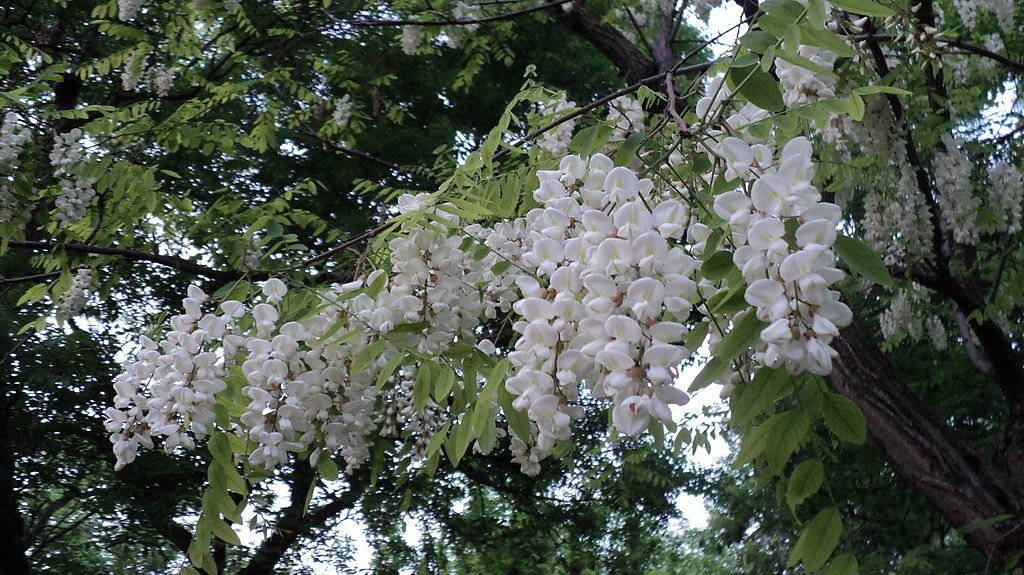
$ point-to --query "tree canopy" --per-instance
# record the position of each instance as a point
(270, 266)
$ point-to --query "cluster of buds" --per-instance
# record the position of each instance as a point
(926, 42)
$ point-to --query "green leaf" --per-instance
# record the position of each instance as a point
(590, 140)
(814, 36)
(879, 89)
(804, 482)
(864, 7)
(34, 293)
(389, 369)
(843, 418)
(757, 86)
(327, 468)
(482, 409)
(753, 398)
(368, 356)
(845, 564)
(744, 334)
(717, 266)
(224, 532)
(862, 260)
(423, 385)
(786, 431)
(501, 267)
(627, 149)
(818, 540)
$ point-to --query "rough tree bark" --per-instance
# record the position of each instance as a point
(926, 453)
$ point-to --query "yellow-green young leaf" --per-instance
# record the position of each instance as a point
(422, 385)
(744, 334)
(818, 540)
(482, 410)
(845, 564)
(804, 482)
(368, 355)
(327, 468)
(224, 532)
(717, 266)
(34, 293)
(757, 86)
(785, 435)
(444, 385)
(389, 369)
(865, 7)
(843, 418)
(757, 396)
(862, 260)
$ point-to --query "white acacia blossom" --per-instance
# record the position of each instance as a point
(614, 290)
(600, 279)
(74, 300)
(626, 116)
(959, 205)
(76, 191)
(556, 141)
(788, 276)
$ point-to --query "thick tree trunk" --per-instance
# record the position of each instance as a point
(12, 529)
(926, 453)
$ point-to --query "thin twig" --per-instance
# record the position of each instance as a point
(452, 22)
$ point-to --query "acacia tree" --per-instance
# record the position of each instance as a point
(574, 253)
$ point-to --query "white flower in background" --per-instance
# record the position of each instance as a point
(127, 9)
(73, 301)
(802, 86)
(957, 202)
(1007, 194)
(13, 137)
(627, 117)
(343, 112)
(412, 39)
(556, 141)
(161, 79)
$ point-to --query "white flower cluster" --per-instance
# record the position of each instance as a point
(412, 39)
(789, 276)
(161, 78)
(614, 288)
(1008, 195)
(132, 72)
(73, 301)
(13, 137)
(714, 103)
(957, 202)
(75, 191)
(902, 319)
(556, 141)
(343, 112)
(463, 11)
(127, 9)
(627, 117)
(297, 387)
(802, 86)
(401, 419)
(897, 219)
(297, 374)
(968, 12)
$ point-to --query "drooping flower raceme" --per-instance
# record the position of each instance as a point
(600, 282)
(605, 303)
(788, 275)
